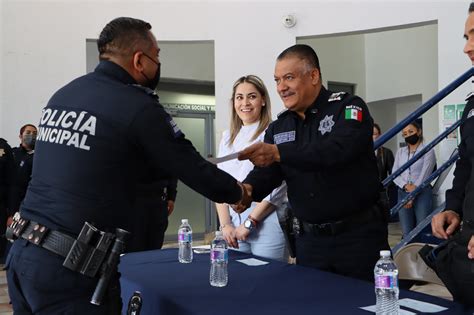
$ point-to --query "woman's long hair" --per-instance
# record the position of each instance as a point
(265, 114)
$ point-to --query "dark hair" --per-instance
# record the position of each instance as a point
(418, 127)
(471, 7)
(304, 52)
(376, 126)
(22, 129)
(122, 36)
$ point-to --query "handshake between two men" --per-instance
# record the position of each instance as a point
(260, 154)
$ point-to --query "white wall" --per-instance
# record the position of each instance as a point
(384, 113)
(402, 63)
(342, 59)
(44, 41)
(1, 69)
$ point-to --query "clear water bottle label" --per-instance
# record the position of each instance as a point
(185, 237)
(386, 282)
(219, 255)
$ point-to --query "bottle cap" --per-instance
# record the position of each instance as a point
(218, 233)
(385, 253)
(184, 221)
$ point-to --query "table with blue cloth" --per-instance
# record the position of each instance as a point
(171, 288)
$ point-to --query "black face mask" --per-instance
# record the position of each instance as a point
(153, 83)
(413, 139)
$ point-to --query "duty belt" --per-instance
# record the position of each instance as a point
(84, 254)
(54, 241)
(93, 253)
(337, 227)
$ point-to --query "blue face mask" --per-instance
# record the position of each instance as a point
(153, 82)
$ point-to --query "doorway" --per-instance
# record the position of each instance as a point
(197, 124)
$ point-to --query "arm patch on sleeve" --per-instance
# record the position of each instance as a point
(174, 127)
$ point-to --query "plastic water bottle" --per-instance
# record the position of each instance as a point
(386, 285)
(185, 240)
(219, 258)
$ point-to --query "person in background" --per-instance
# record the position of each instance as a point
(7, 169)
(251, 115)
(23, 156)
(385, 160)
(417, 209)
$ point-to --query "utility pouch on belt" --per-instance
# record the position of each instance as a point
(88, 251)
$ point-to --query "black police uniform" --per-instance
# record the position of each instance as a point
(389, 195)
(23, 169)
(93, 136)
(150, 209)
(7, 167)
(453, 266)
(328, 163)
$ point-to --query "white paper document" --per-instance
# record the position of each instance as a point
(421, 306)
(228, 157)
(371, 309)
(252, 262)
(202, 249)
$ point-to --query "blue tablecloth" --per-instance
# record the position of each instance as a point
(168, 287)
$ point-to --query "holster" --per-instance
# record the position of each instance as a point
(450, 262)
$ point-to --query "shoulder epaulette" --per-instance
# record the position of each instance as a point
(337, 96)
(471, 94)
(148, 91)
(282, 113)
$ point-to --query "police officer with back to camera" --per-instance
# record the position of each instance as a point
(93, 135)
(455, 258)
(6, 177)
(322, 147)
(23, 157)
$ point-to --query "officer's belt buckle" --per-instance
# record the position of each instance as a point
(321, 229)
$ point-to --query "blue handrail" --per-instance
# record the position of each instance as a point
(423, 108)
(419, 154)
(417, 229)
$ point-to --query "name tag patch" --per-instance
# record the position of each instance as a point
(283, 137)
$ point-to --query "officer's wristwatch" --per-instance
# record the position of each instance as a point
(250, 223)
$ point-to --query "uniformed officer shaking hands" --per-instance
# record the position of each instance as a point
(93, 135)
(455, 258)
(322, 147)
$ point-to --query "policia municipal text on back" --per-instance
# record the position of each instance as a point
(94, 135)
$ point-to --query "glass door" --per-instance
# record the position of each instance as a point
(197, 127)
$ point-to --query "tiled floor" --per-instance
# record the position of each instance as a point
(5, 308)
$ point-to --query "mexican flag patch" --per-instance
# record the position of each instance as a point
(353, 112)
